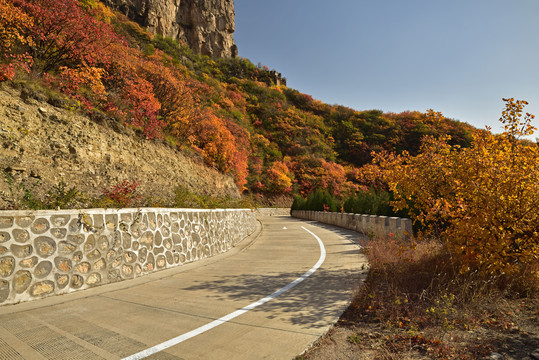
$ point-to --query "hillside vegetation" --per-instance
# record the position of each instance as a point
(274, 140)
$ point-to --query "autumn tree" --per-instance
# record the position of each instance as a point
(65, 34)
(483, 201)
(13, 42)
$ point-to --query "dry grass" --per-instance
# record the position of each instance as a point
(415, 304)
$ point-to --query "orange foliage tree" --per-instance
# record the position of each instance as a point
(483, 201)
(13, 40)
(278, 178)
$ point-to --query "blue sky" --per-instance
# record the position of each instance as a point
(460, 57)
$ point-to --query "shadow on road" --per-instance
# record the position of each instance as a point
(316, 301)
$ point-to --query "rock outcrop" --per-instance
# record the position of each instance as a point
(207, 26)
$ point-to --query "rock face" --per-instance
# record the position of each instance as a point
(206, 25)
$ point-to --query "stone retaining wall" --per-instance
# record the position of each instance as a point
(55, 252)
(368, 225)
(273, 211)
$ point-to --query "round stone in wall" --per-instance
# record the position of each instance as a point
(21, 281)
(126, 240)
(151, 220)
(76, 239)
(127, 271)
(3, 250)
(24, 221)
(74, 226)
(167, 243)
(169, 257)
(61, 280)
(103, 243)
(158, 238)
(45, 246)
(43, 269)
(176, 239)
(39, 226)
(21, 251)
(4, 290)
(147, 240)
(161, 261)
(142, 254)
(59, 220)
(100, 264)
(83, 268)
(7, 265)
(6, 222)
(63, 264)
(175, 227)
(126, 217)
(130, 257)
(42, 288)
(111, 255)
(20, 235)
(165, 231)
(93, 255)
(29, 262)
(77, 257)
(166, 220)
(65, 248)
(116, 262)
(77, 281)
(89, 244)
(4, 236)
(114, 276)
(94, 279)
(136, 230)
(59, 233)
(150, 263)
(117, 244)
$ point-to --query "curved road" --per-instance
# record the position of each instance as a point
(290, 283)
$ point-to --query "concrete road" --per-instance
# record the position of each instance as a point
(119, 320)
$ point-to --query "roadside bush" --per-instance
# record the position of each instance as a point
(369, 202)
(482, 201)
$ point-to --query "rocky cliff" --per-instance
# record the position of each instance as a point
(206, 25)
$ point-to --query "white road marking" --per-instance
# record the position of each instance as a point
(179, 339)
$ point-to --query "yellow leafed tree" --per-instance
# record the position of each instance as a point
(483, 201)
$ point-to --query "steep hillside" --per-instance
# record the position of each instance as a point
(47, 144)
(239, 118)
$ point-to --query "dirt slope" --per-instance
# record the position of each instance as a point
(41, 141)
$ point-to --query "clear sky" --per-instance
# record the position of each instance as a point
(460, 57)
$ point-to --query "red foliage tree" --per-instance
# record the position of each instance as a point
(65, 34)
